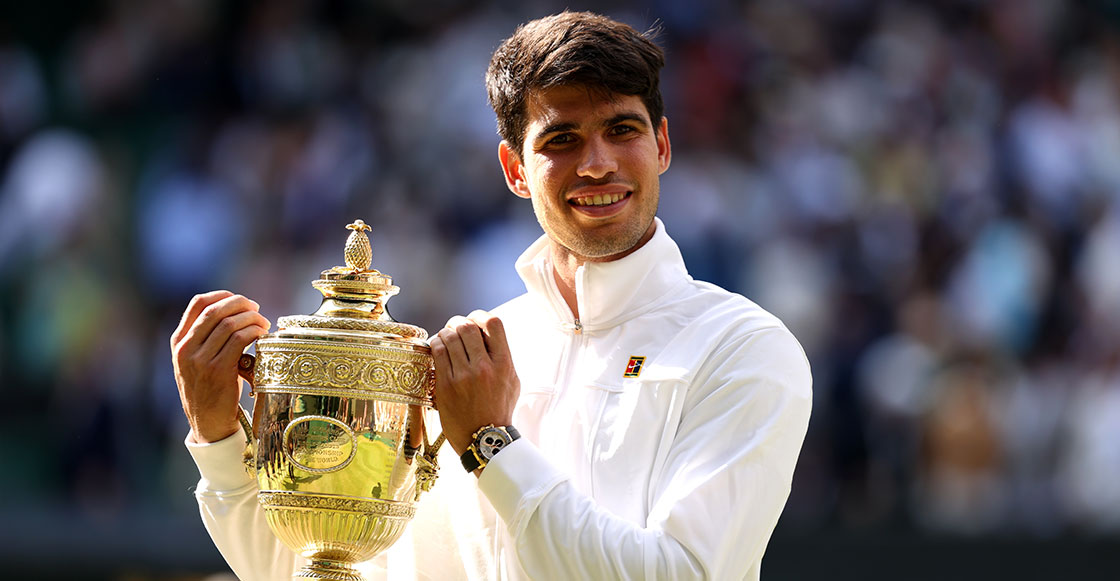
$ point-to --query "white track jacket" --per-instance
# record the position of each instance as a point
(675, 466)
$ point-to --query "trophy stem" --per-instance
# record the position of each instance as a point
(328, 569)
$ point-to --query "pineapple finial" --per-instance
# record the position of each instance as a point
(358, 252)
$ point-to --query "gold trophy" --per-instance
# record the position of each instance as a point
(337, 442)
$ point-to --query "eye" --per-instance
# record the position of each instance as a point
(621, 130)
(561, 139)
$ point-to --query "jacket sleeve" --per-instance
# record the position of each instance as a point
(227, 500)
(716, 497)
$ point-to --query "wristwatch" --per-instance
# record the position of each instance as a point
(488, 441)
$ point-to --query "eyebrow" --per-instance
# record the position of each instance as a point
(570, 126)
(555, 128)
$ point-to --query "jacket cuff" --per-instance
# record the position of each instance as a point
(220, 463)
(516, 480)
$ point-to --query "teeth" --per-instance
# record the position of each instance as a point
(599, 199)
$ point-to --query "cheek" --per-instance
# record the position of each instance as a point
(650, 159)
(545, 214)
(544, 170)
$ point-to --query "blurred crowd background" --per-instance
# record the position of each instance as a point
(928, 193)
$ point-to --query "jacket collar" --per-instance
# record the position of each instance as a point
(608, 293)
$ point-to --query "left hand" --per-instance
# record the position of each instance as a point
(476, 384)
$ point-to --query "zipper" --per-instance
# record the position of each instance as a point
(567, 361)
(571, 353)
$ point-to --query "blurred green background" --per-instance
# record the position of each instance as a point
(928, 193)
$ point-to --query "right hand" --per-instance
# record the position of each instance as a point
(476, 383)
(215, 330)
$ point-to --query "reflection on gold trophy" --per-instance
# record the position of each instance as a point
(338, 445)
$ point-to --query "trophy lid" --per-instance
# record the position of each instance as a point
(354, 295)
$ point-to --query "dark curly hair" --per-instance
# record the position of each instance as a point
(571, 48)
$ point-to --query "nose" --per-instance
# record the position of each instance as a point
(598, 159)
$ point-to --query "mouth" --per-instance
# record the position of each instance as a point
(599, 200)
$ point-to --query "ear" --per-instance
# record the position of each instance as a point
(514, 170)
(664, 148)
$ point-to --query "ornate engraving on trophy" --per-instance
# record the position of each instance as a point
(319, 444)
(377, 370)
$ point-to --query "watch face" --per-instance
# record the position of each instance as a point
(491, 441)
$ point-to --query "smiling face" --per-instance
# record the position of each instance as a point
(590, 164)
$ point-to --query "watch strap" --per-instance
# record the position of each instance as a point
(472, 460)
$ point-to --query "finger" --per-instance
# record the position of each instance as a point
(213, 315)
(495, 331)
(236, 343)
(194, 308)
(456, 353)
(226, 328)
(478, 317)
(442, 362)
(474, 344)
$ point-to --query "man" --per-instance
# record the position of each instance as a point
(660, 418)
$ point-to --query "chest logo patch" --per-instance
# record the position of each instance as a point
(634, 367)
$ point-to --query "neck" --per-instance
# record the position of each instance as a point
(565, 263)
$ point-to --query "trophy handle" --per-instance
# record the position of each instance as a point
(431, 451)
(428, 459)
(246, 366)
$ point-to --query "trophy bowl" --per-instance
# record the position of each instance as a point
(337, 442)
